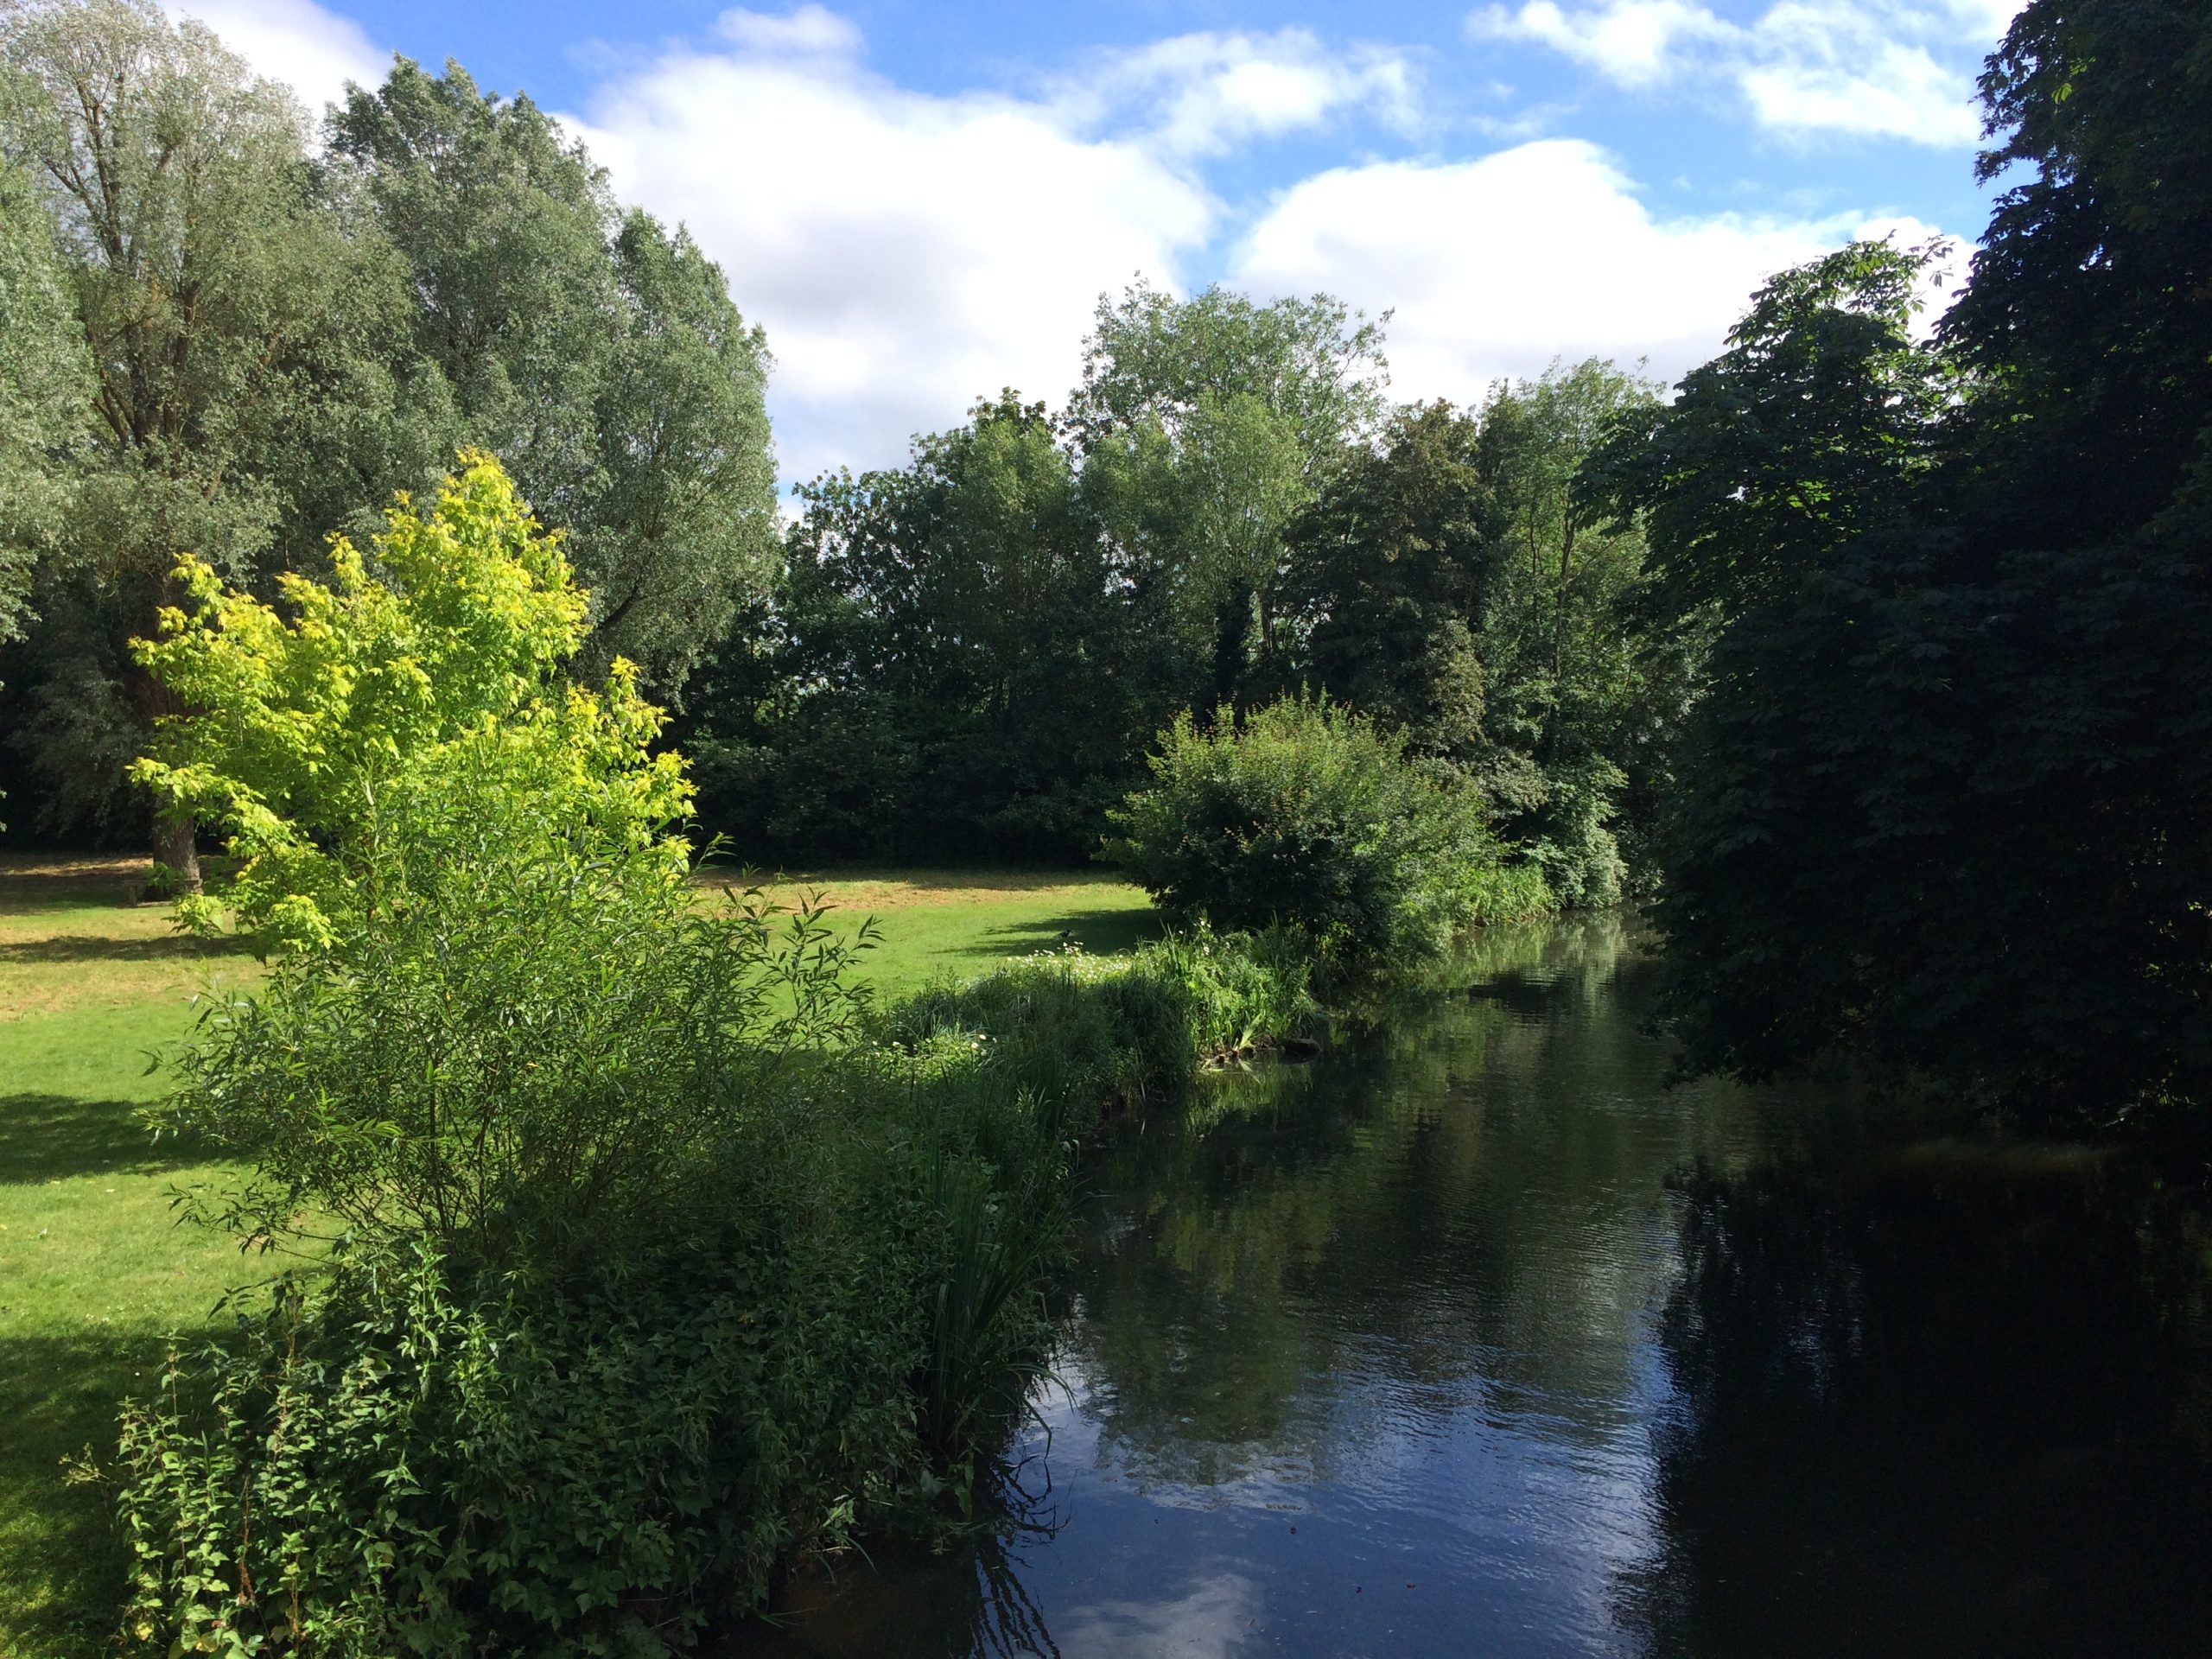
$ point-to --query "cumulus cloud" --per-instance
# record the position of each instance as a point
(1204, 94)
(906, 252)
(317, 52)
(1498, 265)
(909, 251)
(1894, 68)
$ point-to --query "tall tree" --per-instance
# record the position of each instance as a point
(1205, 426)
(944, 665)
(223, 301)
(1951, 796)
(1455, 581)
(2087, 319)
(1780, 477)
(600, 359)
(1582, 688)
(1388, 570)
(46, 386)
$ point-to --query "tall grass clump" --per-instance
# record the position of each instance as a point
(1303, 815)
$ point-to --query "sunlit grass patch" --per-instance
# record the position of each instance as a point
(72, 938)
(95, 1277)
(935, 925)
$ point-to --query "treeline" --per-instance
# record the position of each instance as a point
(973, 653)
(229, 334)
(225, 334)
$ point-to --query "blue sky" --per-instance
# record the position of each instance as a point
(922, 202)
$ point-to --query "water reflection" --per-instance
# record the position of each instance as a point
(1927, 1404)
(1473, 1338)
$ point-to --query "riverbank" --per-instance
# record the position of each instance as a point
(95, 1279)
(1476, 1335)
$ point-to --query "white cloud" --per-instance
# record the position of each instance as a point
(1895, 68)
(317, 52)
(908, 252)
(1203, 94)
(810, 29)
(1634, 42)
(1497, 266)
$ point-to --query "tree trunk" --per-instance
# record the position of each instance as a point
(174, 847)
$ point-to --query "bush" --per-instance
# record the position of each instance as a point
(524, 1032)
(1576, 850)
(1304, 815)
(663, 1257)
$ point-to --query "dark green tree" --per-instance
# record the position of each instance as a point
(1455, 582)
(1776, 485)
(1388, 567)
(942, 670)
(1949, 801)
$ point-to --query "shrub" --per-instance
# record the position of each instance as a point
(663, 1256)
(1576, 850)
(1306, 815)
(524, 1030)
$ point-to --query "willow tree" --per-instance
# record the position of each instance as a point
(45, 391)
(225, 304)
(598, 355)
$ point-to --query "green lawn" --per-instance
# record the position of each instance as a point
(957, 924)
(95, 1280)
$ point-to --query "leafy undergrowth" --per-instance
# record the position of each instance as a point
(811, 1307)
(97, 1278)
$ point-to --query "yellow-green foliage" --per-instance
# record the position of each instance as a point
(303, 724)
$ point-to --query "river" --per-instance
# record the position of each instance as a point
(1474, 1337)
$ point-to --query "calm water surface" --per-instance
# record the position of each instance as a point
(1473, 1337)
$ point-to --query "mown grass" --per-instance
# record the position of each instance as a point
(95, 1278)
(955, 924)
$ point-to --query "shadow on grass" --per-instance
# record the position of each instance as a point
(52, 1137)
(62, 1562)
(1101, 932)
(88, 947)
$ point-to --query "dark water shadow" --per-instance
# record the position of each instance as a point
(1927, 1409)
(967, 1601)
(1103, 931)
(47, 1137)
